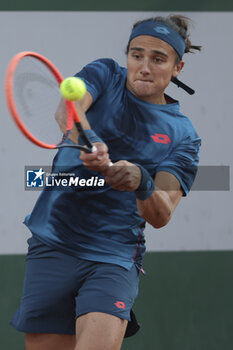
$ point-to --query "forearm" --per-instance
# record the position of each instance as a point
(82, 106)
(156, 198)
(157, 204)
(82, 116)
(157, 209)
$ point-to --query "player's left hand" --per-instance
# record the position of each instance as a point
(123, 176)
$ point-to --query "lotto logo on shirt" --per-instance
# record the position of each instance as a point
(35, 178)
(161, 138)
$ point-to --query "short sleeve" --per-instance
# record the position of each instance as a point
(98, 75)
(182, 162)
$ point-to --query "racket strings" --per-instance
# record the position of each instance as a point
(37, 96)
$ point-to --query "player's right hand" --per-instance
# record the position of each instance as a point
(98, 160)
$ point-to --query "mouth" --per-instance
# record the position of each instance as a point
(144, 80)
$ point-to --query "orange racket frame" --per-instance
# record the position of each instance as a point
(9, 85)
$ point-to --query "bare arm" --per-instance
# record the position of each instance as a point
(82, 107)
(96, 160)
(158, 208)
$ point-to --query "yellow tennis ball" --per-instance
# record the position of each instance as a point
(73, 88)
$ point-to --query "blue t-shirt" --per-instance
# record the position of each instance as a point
(100, 223)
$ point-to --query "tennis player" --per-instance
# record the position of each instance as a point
(87, 243)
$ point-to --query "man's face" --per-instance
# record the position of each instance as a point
(151, 63)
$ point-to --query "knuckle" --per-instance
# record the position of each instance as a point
(124, 162)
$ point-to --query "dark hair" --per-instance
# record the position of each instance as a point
(177, 22)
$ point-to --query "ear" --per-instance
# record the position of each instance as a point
(177, 69)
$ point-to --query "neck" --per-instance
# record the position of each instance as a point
(158, 100)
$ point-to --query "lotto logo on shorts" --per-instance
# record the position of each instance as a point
(120, 304)
(35, 178)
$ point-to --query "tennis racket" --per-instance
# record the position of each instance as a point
(33, 95)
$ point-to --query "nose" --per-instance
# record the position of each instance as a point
(145, 67)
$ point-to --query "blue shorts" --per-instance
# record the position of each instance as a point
(58, 288)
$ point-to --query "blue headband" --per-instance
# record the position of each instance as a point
(162, 31)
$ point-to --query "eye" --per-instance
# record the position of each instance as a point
(136, 56)
(158, 59)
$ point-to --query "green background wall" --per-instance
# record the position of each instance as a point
(185, 302)
(120, 5)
